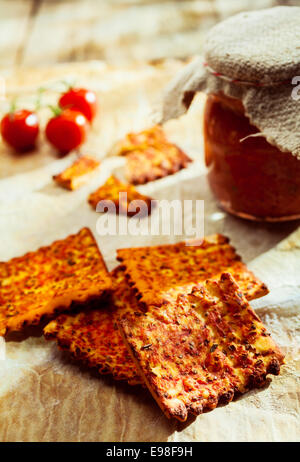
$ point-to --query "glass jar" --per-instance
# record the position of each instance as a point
(249, 177)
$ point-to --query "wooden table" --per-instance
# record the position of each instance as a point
(45, 32)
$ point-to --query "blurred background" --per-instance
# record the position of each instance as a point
(45, 32)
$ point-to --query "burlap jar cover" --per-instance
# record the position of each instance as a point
(254, 57)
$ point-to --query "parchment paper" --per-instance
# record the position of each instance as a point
(44, 396)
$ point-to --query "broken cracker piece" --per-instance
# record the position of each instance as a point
(159, 273)
(204, 349)
(154, 162)
(77, 174)
(126, 204)
(49, 280)
(149, 155)
(93, 337)
(139, 140)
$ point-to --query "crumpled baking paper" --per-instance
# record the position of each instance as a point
(44, 396)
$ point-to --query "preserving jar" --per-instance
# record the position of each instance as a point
(249, 177)
(250, 70)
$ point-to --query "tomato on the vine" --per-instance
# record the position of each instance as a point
(20, 129)
(67, 130)
(80, 99)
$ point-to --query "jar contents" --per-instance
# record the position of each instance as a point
(250, 177)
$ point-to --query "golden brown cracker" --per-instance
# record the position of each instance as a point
(201, 350)
(39, 283)
(139, 140)
(112, 192)
(149, 156)
(77, 174)
(93, 338)
(159, 273)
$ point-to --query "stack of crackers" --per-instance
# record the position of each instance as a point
(149, 156)
(174, 318)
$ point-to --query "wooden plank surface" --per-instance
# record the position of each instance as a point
(14, 21)
(44, 32)
(117, 32)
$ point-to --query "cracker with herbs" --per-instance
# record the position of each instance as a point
(150, 156)
(93, 338)
(50, 280)
(202, 350)
(126, 200)
(159, 273)
(77, 174)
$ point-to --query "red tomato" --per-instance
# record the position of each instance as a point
(67, 130)
(81, 100)
(20, 129)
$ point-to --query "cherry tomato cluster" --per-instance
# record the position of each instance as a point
(66, 130)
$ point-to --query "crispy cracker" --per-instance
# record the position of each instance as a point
(139, 141)
(77, 174)
(202, 350)
(159, 273)
(154, 162)
(111, 192)
(149, 156)
(92, 337)
(40, 283)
